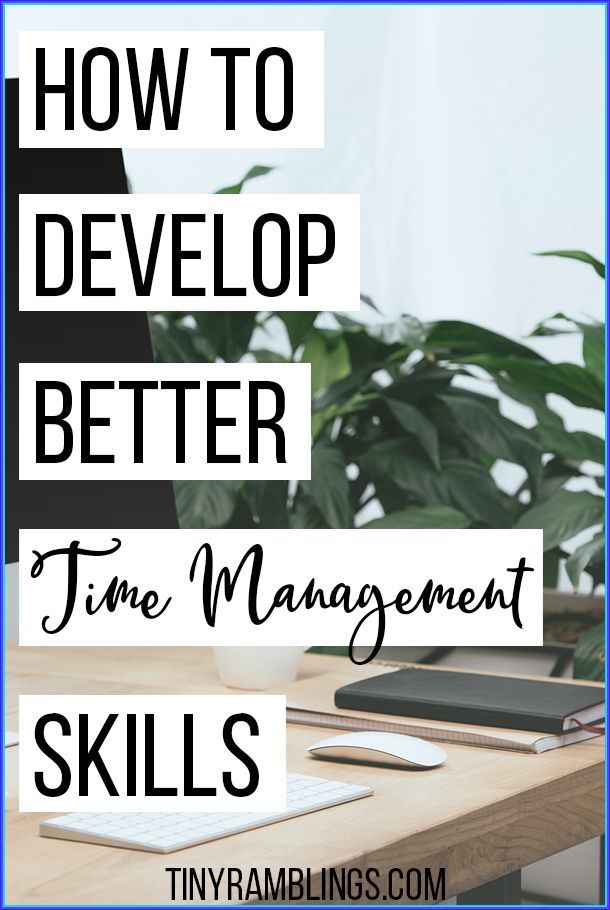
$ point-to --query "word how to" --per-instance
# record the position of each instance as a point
(100, 70)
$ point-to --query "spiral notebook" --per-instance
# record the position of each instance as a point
(537, 705)
(311, 701)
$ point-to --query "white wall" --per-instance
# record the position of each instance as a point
(475, 136)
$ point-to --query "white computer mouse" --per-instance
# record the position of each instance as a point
(395, 749)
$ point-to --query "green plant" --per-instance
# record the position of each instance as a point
(589, 656)
(399, 427)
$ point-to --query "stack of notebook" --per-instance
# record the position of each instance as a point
(502, 712)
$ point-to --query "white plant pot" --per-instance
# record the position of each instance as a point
(257, 667)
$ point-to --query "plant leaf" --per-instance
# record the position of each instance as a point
(585, 555)
(171, 342)
(534, 400)
(599, 267)
(341, 391)
(594, 348)
(364, 348)
(550, 567)
(395, 460)
(298, 325)
(268, 501)
(261, 355)
(566, 379)
(554, 438)
(593, 335)
(424, 381)
(424, 517)
(577, 447)
(564, 515)
(259, 170)
(414, 422)
(463, 338)
(227, 334)
(305, 513)
(369, 302)
(590, 654)
(405, 332)
(473, 491)
(496, 434)
(461, 484)
(329, 359)
(329, 485)
(556, 474)
(206, 503)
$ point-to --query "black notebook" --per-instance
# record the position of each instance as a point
(472, 698)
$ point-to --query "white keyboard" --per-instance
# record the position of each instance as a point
(164, 832)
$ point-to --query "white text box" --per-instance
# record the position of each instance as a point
(186, 746)
(374, 587)
(252, 252)
(282, 75)
(212, 431)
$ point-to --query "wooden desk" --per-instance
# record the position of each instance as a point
(483, 816)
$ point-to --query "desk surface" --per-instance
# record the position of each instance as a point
(483, 814)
